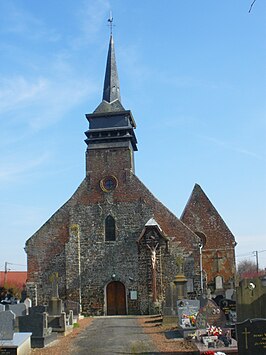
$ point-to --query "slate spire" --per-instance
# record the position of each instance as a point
(111, 89)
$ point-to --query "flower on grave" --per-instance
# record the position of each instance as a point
(191, 317)
(212, 330)
(209, 352)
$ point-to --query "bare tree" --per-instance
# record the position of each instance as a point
(248, 269)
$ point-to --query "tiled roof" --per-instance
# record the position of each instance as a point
(13, 277)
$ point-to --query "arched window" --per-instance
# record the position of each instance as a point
(202, 238)
(109, 229)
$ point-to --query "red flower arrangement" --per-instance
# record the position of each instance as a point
(214, 330)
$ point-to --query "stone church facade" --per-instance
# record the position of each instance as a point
(115, 248)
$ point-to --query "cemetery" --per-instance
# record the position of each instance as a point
(113, 249)
(214, 325)
(24, 326)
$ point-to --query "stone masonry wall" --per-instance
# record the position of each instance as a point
(86, 265)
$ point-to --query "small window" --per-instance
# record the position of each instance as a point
(109, 229)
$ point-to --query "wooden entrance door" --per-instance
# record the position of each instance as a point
(116, 298)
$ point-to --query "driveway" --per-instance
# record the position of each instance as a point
(113, 335)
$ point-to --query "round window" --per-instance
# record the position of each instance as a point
(108, 183)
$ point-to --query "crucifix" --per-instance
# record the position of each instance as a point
(246, 337)
(153, 267)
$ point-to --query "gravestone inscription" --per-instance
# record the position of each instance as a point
(251, 337)
(229, 308)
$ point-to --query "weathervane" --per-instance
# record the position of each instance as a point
(110, 20)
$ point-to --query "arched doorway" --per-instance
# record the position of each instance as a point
(116, 298)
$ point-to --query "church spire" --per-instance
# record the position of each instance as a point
(111, 89)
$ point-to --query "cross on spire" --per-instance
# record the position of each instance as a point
(110, 24)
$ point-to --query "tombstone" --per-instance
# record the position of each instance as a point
(251, 337)
(251, 299)
(38, 309)
(210, 314)
(7, 323)
(19, 309)
(218, 282)
(229, 294)
(55, 305)
(229, 309)
(70, 318)
(28, 304)
(57, 322)
(72, 305)
(169, 308)
(2, 307)
(37, 324)
(187, 311)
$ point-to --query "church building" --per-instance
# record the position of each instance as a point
(115, 248)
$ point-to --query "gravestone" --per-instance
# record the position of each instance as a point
(19, 309)
(70, 318)
(229, 294)
(55, 305)
(210, 314)
(57, 323)
(38, 309)
(186, 309)
(37, 324)
(71, 305)
(218, 282)
(251, 337)
(7, 323)
(28, 304)
(229, 309)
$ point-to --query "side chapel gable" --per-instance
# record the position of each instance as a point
(201, 216)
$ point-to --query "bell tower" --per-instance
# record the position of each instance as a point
(111, 139)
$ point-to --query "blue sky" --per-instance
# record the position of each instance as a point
(193, 74)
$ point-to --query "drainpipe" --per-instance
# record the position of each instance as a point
(201, 271)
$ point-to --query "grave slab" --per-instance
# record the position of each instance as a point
(232, 349)
(19, 345)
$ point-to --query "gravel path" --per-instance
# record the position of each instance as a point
(113, 335)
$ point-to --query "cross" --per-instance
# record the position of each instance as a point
(54, 281)
(110, 20)
(218, 258)
(246, 337)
